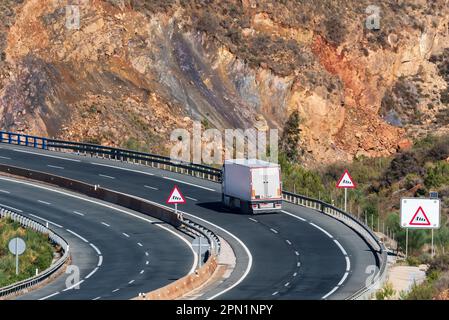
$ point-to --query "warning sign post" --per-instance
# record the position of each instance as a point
(419, 213)
(175, 198)
(346, 182)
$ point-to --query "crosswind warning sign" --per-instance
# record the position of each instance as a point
(420, 213)
(346, 181)
(175, 196)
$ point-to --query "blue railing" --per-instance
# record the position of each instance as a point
(23, 139)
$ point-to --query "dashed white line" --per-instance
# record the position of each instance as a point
(105, 224)
(147, 262)
(73, 286)
(287, 284)
(97, 298)
(6, 158)
(4, 191)
(142, 271)
(297, 253)
(146, 253)
(298, 264)
(77, 235)
(100, 261)
(78, 213)
(150, 187)
(49, 296)
(12, 208)
(330, 292)
(115, 290)
(139, 244)
(188, 183)
(322, 230)
(90, 274)
(56, 167)
(125, 234)
(106, 176)
(131, 282)
(288, 242)
(44, 202)
(121, 168)
(46, 155)
(254, 220)
(273, 230)
(193, 199)
(341, 247)
(295, 274)
(95, 248)
(275, 293)
(50, 222)
(348, 264)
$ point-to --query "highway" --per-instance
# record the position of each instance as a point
(297, 254)
(119, 253)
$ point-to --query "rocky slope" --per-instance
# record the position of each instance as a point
(136, 69)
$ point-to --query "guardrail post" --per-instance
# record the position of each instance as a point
(9, 138)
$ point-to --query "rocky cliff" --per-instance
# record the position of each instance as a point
(133, 70)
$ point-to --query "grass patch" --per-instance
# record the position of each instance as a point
(38, 253)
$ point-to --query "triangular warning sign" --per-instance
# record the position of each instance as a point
(175, 196)
(346, 181)
(420, 218)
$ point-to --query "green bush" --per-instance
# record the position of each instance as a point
(386, 292)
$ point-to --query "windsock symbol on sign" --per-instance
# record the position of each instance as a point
(346, 181)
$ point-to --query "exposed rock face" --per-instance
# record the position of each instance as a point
(135, 70)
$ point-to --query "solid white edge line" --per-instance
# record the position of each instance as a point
(73, 286)
(343, 279)
(9, 207)
(188, 183)
(321, 229)
(341, 247)
(330, 292)
(46, 155)
(4, 191)
(90, 274)
(121, 168)
(77, 235)
(100, 261)
(294, 216)
(6, 158)
(50, 222)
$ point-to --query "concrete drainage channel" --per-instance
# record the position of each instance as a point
(52, 271)
(174, 290)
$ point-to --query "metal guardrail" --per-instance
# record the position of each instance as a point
(208, 173)
(53, 236)
(212, 238)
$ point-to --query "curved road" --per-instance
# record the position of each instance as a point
(298, 254)
(119, 253)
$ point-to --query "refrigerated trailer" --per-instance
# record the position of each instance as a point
(251, 186)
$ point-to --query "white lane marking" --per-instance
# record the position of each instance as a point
(295, 274)
(193, 199)
(275, 293)
(139, 244)
(106, 176)
(97, 298)
(12, 208)
(49, 296)
(142, 271)
(90, 274)
(150, 187)
(95, 248)
(6, 158)
(121, 168)
(105, 224)
(56, 167)
(297, 253)
(293, 215)
(188, 183)
(131, 282)
(288, 242)
(77, 235)
(100, 261)
(4, 191)
(115, 290)
(322, 230)
(348, 264)
(78, 213)
(47, 155)
(330, 292)
(341, 247)
(298, 264)
(343, 279)
(195, 256)
(146, 253)
(125, 234)
(73, 286)
(44, 202)
(254, 220)
(50, 222)
(273, 230)
(287, 284)
(147, 262)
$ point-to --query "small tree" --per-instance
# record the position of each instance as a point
(290, 137)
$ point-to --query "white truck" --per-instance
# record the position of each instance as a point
(252, 186)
